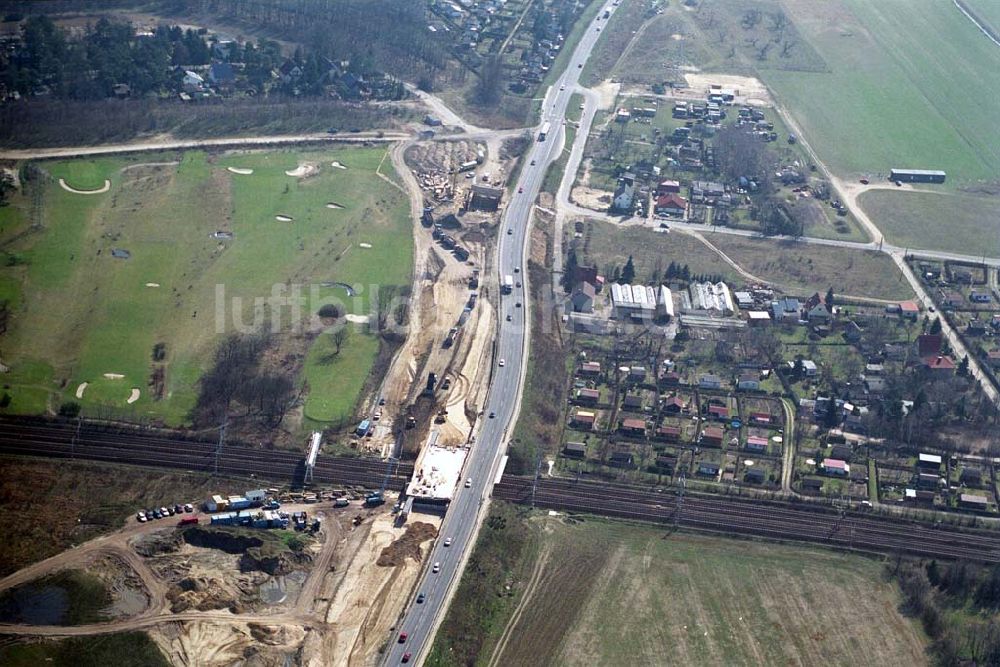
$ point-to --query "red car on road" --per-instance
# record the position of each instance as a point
(402, 637)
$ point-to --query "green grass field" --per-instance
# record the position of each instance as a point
(959, 222)
(83, 313)
(128, 648)
(904, 87)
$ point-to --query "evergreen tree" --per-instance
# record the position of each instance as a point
(829, 298)
(628, 273)
(568, 270)
(935, 326)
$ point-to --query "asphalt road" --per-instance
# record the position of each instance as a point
(462, 520)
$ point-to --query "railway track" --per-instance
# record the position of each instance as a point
(735, 516)
(89, 442)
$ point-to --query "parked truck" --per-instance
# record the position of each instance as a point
(374, 499)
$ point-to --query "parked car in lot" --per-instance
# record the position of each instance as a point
(188, 507)
(140, 516)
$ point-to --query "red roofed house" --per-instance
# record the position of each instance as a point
(671, 204)
(939, 365)
(673, 405)
(835, 467)
(590, 368)
(755, 443)
(909, 310)
(634, 427)
(760, 417)
(668, 187)
(668, 433)
(712, 436)
(928, 345)
(588, 396)
(993, 357)
(719, 412)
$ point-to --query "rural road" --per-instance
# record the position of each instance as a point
(467, 509)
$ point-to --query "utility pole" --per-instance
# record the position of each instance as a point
(218, 448)
(534, 483)
(72, 442)
(682, 483)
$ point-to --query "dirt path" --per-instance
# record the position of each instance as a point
(526, 598)
(69, 188)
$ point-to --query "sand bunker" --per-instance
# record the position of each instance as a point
(303, 170)
(69, 188)
(357, 319)
(364, 245)
(114, 376)
(333, 204)
(134, 396)
(337, 165)
(82, 388)
(283, 218)
(152, 284)
(237, 170)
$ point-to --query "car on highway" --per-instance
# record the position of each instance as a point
(402, 637)
(447, 542)
(502, 363)
(436, 568)
(510, 230)
(508, 314)
(520, 189)
(562, 87)
(492, 414)
(421, 598)
(580, 66)
(532, 163)
(518, 304)
(517, 269)
(518, 283)
(407, 656)
(468, 483)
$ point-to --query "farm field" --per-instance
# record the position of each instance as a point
(650, 598)
(902, 88)
(203, 239)
(799, 268)
(987, 11)
(959, 222)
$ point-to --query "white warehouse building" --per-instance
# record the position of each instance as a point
(712, 296)
(641, 302)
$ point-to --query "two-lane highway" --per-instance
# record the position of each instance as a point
(444, 564)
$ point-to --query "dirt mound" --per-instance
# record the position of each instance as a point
(255, 559)
(201, 594)
(223, 540)
(156, 544)
(408, 546)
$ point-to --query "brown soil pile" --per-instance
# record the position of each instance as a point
(408, 546)
(200, 593)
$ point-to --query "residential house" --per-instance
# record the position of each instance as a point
(666, 463)
(632, 402)
(929, 462)
(744, 300)
(575, 449)
(929, 345)
(221, 75)
(710, 382)
(970, 501)
(835, 467)
(809, 368)
(920, 496)
(588, 396)
(621, 459)
(193, 82)
(590, 368)
(671, 204)
(756, 443)
(926, 480)
(754, 475)
(668, 187)
(624, 193)
(673, 405)
(712, 436)
(841, 452)
(289, 71)
(812, 484)
(668, 433)
(819, 314)
(875, 385)
(587, 274)
(670, 379)
(748, 382)
(971, 477)
(993, 358)
(584, 419)
(582, 299)
(718, 412)
(758, 318)
(938, 366)
(950, 300)
(852, 333)
(633, 427)
(637, 373)
(707, 469)
(760, 418)
(909, 310)
(784, 310)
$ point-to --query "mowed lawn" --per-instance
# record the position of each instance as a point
(960, 222)
(615, 594)
(83, 313)
(908, 85)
